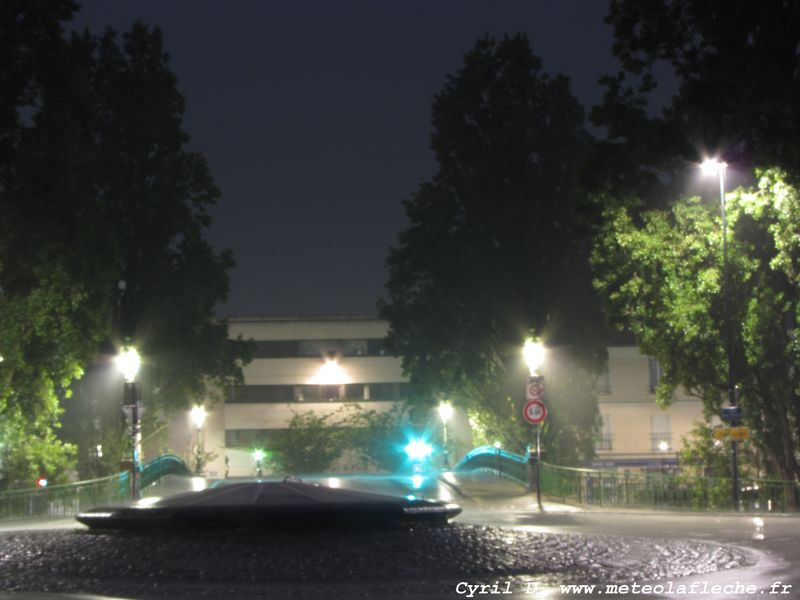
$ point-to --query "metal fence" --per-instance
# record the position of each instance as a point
(495, 460)
(636, 489)
(71, 498)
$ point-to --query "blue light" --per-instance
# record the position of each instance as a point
(417, 481)
(418, 449)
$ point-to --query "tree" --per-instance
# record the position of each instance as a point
(153, 197)
(49, 324)
(157, 195)
(311, 444)
(495, 249)
(661, 275)
(736, 74)
(380, 438)
(102, 228)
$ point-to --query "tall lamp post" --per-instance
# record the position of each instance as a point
(128, 363)
(534, 410)
(714, 167)
(445, 412)
(198, 416)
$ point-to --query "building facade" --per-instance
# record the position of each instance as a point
(636, 433)
(315, 365)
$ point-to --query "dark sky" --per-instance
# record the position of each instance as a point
(315, 119)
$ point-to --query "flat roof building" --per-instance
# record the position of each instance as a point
(317, 364)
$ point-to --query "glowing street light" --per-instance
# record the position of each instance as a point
(418, 449)
(198, 416)
(258, 455)
(712, 167)
(445, 413)
(533, 353)
(128, 363)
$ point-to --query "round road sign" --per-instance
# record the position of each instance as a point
(534, 412)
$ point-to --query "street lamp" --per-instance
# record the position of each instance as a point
(534, 410)
(445, 412)
(128, 363)
(533, 354)
(198, 415)
(712, 167)
(258, 455)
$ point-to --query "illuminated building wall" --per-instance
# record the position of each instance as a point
(317, 364)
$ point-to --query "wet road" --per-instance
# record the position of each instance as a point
(501, 539)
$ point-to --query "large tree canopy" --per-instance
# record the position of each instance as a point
(736, 77)
(103, 213)
(661, 274)
(494, 249)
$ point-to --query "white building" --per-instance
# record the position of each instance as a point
(303, 364)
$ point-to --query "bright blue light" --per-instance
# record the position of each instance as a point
(417, 481)
(417, 449)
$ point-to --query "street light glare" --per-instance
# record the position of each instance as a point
(712, 166)
(331, 373)
(533, 353)
(418, 449)
(198, 415)
(128, 363)
(445, 411)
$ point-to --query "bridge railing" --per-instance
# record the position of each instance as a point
(71, 498)
(637, 489)
(496, 460)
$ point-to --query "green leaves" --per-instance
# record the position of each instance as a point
(663, 278)
(97, 187)
(496, 246)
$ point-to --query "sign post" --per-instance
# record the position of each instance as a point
(535, 412)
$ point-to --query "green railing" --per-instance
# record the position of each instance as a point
(495, 460)
(663, 490)
(635, 490)
(71, 498)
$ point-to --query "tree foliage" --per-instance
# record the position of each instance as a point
(495, 247)
(313, 443)
(103, 212)
(733, 73)
(662, 276)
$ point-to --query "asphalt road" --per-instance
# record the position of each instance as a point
(500, 541)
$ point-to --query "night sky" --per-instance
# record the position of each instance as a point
(315, 119)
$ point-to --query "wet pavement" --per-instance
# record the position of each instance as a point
(501, 541)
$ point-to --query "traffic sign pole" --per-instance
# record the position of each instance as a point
(535, 412)
(539, 467)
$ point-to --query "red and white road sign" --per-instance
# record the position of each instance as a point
(534, 411)
(535, 388)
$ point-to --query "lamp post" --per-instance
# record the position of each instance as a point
(714, 167)
(128, 363)
(534, 411)
(445, 412)
(258, 455)
(198, 416)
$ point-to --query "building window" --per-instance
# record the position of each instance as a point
(318, 348)
(660, 433)
(388, 391)
(376, 347)
(655, 373)
(325, 348)
(275, 349)
(605, 440)
(261, 393)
